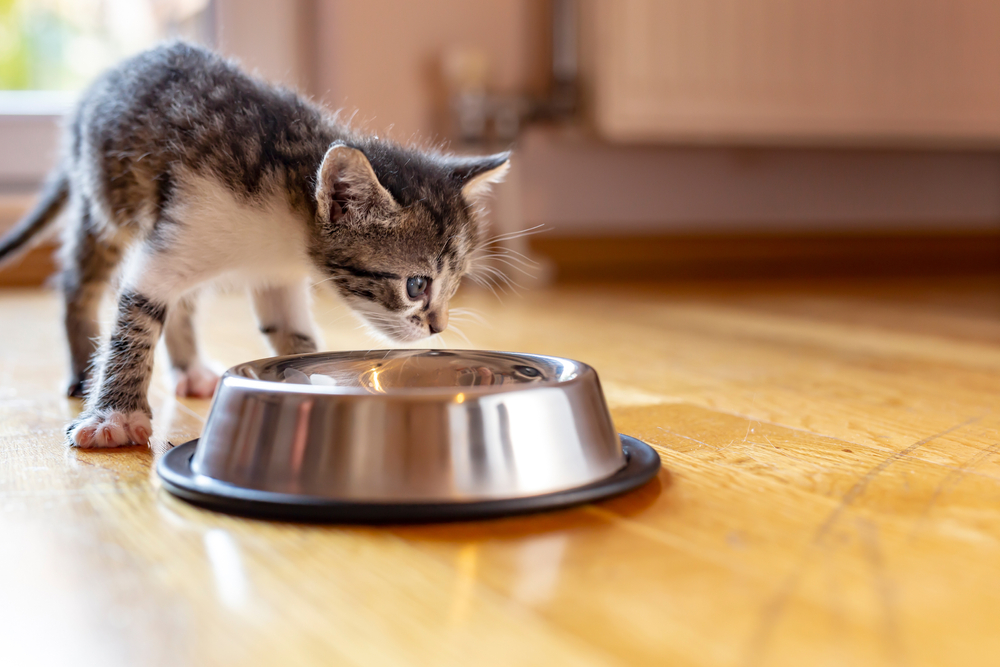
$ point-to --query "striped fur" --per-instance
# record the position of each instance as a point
(180, 170)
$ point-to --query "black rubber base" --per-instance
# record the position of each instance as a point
(174, 470)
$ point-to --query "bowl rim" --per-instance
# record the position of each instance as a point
(174, 470)
(231, 378)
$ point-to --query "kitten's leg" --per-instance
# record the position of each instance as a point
(87, 265)
(191, 375)
(117, 410)
(284, 317)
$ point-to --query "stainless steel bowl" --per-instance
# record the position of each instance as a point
(398, 432)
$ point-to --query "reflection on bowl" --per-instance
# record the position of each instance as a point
(380, 373)
(431, 427)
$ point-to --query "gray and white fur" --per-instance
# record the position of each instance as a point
(180, 170)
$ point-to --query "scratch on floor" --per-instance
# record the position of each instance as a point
(965, 472)
(775, 606)
(949, 481)
(686, 437)
(884, 589)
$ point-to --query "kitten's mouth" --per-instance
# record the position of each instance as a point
(391, 328)
(398, 331)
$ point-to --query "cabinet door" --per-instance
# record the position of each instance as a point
(865, 72)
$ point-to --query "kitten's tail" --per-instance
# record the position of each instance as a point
(54, 196)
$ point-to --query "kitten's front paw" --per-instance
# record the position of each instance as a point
(198, 381)
(94, 430)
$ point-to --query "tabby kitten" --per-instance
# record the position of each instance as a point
(181, 170)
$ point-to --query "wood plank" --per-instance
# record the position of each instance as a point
(831, 495)
(784, 255)
(37, 264)
(34, 268)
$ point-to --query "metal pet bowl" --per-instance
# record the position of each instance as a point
(406, 435)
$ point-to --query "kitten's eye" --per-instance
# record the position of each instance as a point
(416, 286)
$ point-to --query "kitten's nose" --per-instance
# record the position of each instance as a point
(437, 320)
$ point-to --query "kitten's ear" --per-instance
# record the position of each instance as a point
(346, 179)
(477, 174)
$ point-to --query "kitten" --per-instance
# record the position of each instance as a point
(180, 170)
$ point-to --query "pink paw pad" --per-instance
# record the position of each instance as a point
(114, 429)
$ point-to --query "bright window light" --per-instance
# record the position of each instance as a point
(63, 44)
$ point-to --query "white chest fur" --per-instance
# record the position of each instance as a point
(216, 237)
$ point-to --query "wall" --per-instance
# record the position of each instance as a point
(382, 57)
(379, 56)
(578, 186)
(270, 38)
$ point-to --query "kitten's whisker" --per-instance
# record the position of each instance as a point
(503, 257)
(501, 276)
(325, 280)
(523, 268)
(520, 254)
(504, 250)
(475, 315)
(515, 266)
(510, 236)
(482, 282)
(493, 285)
(464, 310)
(462, 334)
(466, 322)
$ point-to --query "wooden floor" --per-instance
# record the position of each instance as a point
(831, 496)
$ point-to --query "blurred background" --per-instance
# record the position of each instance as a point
(692, 139)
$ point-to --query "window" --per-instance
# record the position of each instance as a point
(63, 44)
(50, 49)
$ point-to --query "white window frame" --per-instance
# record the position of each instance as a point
(271, 38)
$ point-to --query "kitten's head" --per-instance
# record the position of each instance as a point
(396, 228)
